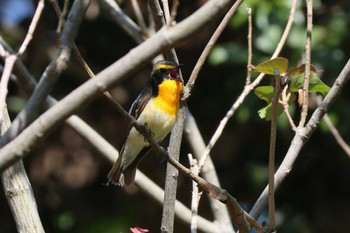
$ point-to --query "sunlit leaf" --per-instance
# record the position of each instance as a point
(265, 93)
(316, 85)
(301, 69)
(279, 63)
(266, 112)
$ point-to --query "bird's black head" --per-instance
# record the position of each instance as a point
(166, 70)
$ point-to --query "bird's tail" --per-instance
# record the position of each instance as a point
(115, 174)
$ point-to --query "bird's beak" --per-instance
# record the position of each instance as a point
(174, 73)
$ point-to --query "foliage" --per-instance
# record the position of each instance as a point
(292, 80)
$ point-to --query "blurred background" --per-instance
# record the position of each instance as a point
(67, 173)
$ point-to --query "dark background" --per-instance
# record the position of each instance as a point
(67, 173)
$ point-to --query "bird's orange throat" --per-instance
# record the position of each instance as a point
(168, 98)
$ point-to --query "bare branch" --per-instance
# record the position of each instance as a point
(342, 143)
(301, 137)
(139, 17)
(196, 195)
(286, 30)
(9, 62)
(285, 104)
(166, 10)
(174, 10)
(305, 91)
(19, 193)
(32, 27)
(272, 150)
(123, 20)
(250, 49)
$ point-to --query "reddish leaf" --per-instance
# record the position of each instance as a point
(301, 69)
(138, 230)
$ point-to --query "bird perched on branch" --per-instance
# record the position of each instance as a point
(157, 107)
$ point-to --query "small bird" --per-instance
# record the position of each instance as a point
(157, 107)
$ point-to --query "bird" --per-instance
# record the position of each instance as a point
(156, 106)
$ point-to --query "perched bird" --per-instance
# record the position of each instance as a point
(157, 107)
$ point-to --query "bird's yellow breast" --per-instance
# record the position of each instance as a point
(168, 96)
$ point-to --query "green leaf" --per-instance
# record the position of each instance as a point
(266, 112)
(316, 85)
(265, 93)
(279, 63)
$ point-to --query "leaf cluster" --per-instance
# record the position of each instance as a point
(292, 81)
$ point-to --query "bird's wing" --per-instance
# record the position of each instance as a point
(140, 102)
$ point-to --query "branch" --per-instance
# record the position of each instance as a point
(19, 193)
(124, 21)
(196, 195)
(139, 17)
(341, 142)
(32, 27)
(301, 137)
(305, 91)
(272, 151)
(250, 47)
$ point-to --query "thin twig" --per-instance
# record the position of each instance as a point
(342, 143)
(32, 27)
(139, 17)
(305, 91)
(286, 30)
(9, 62)
(272, 151)
(250, 49)
(196, 195)
(124, 21)
(166, 10)
(174, 10)
(285, 104)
